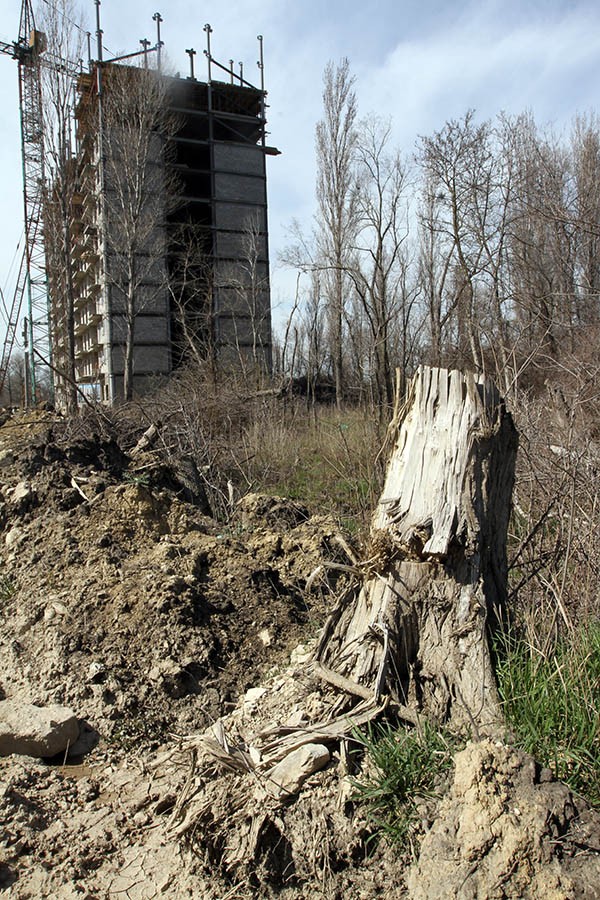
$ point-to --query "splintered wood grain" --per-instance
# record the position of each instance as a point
(418, 629)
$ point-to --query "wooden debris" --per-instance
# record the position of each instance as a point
(146, 441)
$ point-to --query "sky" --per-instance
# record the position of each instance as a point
(416, 62)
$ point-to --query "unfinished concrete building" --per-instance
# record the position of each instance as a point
(193, 281)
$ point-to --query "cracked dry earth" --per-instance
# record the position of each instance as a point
(152, 621)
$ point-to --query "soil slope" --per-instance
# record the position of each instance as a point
(128, 603)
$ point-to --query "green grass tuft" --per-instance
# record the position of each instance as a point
(404, 766)
(552, 703)
(7, 587)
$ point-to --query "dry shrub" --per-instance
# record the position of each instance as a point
(222, 439)
(555, 534)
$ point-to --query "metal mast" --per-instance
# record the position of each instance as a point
(30, 45)
(30, 52)
(31, 280)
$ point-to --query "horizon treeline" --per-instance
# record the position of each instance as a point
(481, 251)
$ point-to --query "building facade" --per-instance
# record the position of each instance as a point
(167, 229)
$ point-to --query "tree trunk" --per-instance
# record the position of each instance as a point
(130, 331)
(436, 573)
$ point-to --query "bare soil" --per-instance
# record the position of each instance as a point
(127, 602)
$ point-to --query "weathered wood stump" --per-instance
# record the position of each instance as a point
(415, 629)
(436, 577)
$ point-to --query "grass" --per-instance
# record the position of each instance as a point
(552, 703)
(329, 459)
(404, 767)
(329, 462)
(7, 587)
(141, 480)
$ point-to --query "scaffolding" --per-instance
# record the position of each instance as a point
(220, 154)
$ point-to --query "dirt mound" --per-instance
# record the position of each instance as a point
(507, 830)
(124, 600)
(127, 603)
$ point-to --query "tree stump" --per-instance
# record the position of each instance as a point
(435, 582)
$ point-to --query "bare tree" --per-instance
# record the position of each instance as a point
(469, 214)
(243, 292)
(434, 261)
(13, 392)
(542, 241)
(455, 160)
(379, 262)
(337, 202)
(138, 197)
(312, 335)
(190, 287)
(585, 155)
(64, 40)
(507, 262)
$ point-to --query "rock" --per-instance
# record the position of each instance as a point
(253, 695)
(54, 609)
(96, 671)
(22, 492)
(7, 458)
(14, 537)
(85, 743)
(265, 637)
(36, 731)
(288, 776)
(22, 497)
(300, 654)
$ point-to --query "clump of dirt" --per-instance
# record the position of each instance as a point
(506, 829)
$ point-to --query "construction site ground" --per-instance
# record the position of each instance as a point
(126, 602)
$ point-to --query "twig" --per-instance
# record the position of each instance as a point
(181, 800)
(342, 683)
(79, 490)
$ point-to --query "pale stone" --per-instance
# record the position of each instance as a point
(254, 754)
(252, 695)
(22, 491)
(95, 670)
(87, 740)
(288, 776)
(300, 654)
(13, 537)
(7, 458)
(34, 730)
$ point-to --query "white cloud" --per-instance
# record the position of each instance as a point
(477, 63)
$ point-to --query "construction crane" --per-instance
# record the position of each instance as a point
(31, 55)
